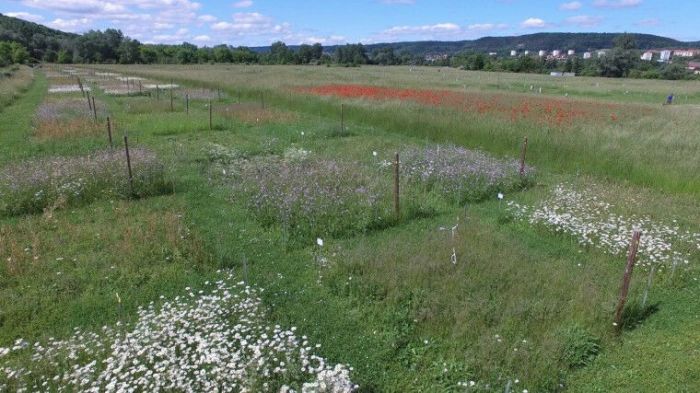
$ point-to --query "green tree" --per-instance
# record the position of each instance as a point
(625, 41)
(129, 51)
(64, 57)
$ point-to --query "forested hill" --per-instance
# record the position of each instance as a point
(35, 37)
(534, 42)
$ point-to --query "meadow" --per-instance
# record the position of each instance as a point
(255, 242)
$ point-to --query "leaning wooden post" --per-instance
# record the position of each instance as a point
(88, 100)
(626, 278)
(397, 208)
(210, 122)
(128, 165)
(140, 88)
(187, 104)
(94, 109)
(157, 93)
(80, 84)
(109, 133)
(171, 96)
(522, 158)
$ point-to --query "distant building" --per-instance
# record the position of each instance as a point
(527, 52)
(571, 52)
(514, 53)
(542, 53)
(647, 56)
(665, 56)
(686, 52)
(587, 55)
(694, 66)
(556, 53)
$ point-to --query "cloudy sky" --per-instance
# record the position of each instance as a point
(260, 22)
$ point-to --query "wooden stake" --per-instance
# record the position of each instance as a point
(210, 110)
(88, 100)
(397, 208)
(140, 88)
(157, 93)
(171, 96)
(187, 104)
(128, 165)
(646, 290)
(522, 158)
(94, 109)
(626, 278)
(109, 133)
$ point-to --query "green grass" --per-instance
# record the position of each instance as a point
(389, 301)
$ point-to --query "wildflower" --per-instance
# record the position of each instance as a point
(319, 241)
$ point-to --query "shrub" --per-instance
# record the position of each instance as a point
(55, 182)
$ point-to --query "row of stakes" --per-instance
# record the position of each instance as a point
(634, 243)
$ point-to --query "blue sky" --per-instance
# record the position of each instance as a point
(260, 22)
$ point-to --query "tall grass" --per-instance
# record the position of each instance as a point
(13, 82)
(56, 182)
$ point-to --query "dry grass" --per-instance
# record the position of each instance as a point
(13, 81)
(60, 117)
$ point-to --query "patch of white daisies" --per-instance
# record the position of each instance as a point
(586, 217)
(205, 341)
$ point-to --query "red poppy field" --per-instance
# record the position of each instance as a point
(554, 112)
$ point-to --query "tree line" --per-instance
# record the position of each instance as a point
(112, 46)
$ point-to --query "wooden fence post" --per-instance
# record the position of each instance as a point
(109, 133)
(210, 121)
(94, 109)
(522, 158)
(397, 208)
(171, 96)
(187, 104)
(626, 278)
(88, 100)
(128, 165)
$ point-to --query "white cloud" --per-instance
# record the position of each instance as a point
(616, 3)
(71, 25)
(584, 20)
(202, 38)
(243, 4)
(207, 18)
(25, 16)
(571, 6)
(487, 26)
(533, 23)
(439, 28)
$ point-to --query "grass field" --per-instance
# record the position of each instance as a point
(284, 178)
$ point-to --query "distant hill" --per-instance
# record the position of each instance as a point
(43, 42)
(37, 38)
(534, 42)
